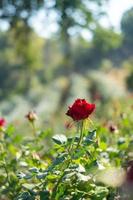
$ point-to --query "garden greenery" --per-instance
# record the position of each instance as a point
(94, 163)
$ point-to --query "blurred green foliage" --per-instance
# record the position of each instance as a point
(61, 67)
(126, 26)
(21, 58)
(31, 167)
(104, 40)
(129, 81)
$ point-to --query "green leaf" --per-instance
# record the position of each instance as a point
(103, 146)
(73, 139)
(60, 139)
(100, 192)
(77, 168)
(52, 177)
(90, 138)
(28, 186)
(34, 170)
(69, 175)
(21, 175)
(80, 168)
(82, 177)
(41, 175)
(92, 166)
(92, 134)
(121, 141)
(10, 130)
(24, 196)
(59, 160)
(78, 153)
(43, 134)
(23, 164)
(44, 195)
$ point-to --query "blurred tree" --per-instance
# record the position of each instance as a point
(127, 26)
(104, 44)
(18, 62)
(12, 10)
(72, 16)
(129, 81)
(8, 64)
(105, 40)
(127, 31)
(28, 49)
(129, 78)
(17, 13)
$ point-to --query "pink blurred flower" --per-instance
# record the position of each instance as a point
(2, 122)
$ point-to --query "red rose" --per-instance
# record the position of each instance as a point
(80, 109)
(2, 122)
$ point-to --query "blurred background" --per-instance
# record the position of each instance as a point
(53, 51)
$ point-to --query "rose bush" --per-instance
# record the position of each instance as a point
(90, 164)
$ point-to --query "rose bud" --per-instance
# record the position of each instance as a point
(68, 125)
(2, 124)
(113, 128)
(31, 116)
(129, 174)
(80, 110)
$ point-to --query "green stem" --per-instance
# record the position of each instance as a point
(33, 128)
(91, 122)
(7, 175)
(80, 129)
(81, 134)
(58, 182)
